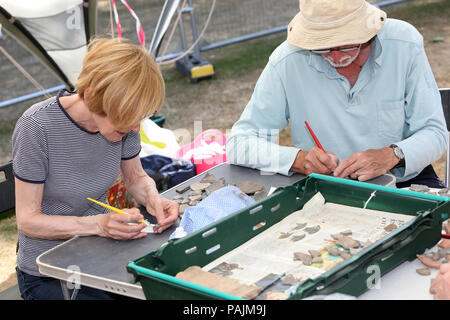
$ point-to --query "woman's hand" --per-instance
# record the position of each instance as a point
(164, 210)
(115, 225)
(144, 191)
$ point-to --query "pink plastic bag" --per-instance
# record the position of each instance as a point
(206, 151)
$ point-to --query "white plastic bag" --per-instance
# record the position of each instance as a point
(157, 140)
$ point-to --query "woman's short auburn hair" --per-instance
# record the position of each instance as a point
(123, 81)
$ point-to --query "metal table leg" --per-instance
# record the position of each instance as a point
(66, 292)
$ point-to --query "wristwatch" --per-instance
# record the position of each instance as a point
(399, 154)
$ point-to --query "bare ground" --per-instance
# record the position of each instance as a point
(210, 104)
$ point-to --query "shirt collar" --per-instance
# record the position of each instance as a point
(377, 51)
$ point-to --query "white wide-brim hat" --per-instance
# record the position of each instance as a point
(323, 24)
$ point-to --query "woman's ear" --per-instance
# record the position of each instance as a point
(85, 94)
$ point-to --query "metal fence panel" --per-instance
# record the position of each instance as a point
(232, 20)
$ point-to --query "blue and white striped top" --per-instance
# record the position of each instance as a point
(50, 147)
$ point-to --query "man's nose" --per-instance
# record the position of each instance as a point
(336, 55)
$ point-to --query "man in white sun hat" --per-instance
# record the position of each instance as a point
(364, 85)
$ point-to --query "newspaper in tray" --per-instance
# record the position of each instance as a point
(322, 233)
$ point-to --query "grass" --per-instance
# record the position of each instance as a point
(420, 13)
(8, 226)
(6, 128)
(234, 60)
(8, 241)
(238, 61)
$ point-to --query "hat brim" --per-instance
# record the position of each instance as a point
(357, 28)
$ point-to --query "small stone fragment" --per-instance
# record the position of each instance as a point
(215, 186)
(193, 203)
(419, 188)
(208, 178)
(443, 191)
(185, 201)
(390, 227)
(155, 227)
(447, 228)
(432, 290)
(317, 260)
(179, 201)
(337, 236)
(196, 198)
(298, 277)
(439, 254)
(344, 255)
(298, 237)
(312, 230)
(314, 253)
(258, 196)
(444, 195)
(300, 226)
(355, 251)
(427, 261)
(348, 243)
(303, 257)
(179, 197)
(250, 187)
(199, 186)
(368, 243)
(271, 295)
(347, 232)
(284, 235)
(289, 280)
(423, 271)
(182, 189)
(182, 208)
(333, 251)
(195, 193)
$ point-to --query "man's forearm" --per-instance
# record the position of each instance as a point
(255, 152)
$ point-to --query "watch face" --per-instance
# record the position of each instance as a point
(399, 153)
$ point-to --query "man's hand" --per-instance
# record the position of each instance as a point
(440, 287)
(164, 210)
(114, 225)
(315, 161)
(366, 165)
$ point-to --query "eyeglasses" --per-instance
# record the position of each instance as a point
(348, 49)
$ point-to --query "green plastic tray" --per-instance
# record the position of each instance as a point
(156, 271)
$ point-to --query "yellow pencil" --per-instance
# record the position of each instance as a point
(113, 209)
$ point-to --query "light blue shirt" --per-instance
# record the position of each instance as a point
(394, 101)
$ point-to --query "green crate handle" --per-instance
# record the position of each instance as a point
(182, 282)
(378, 187)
